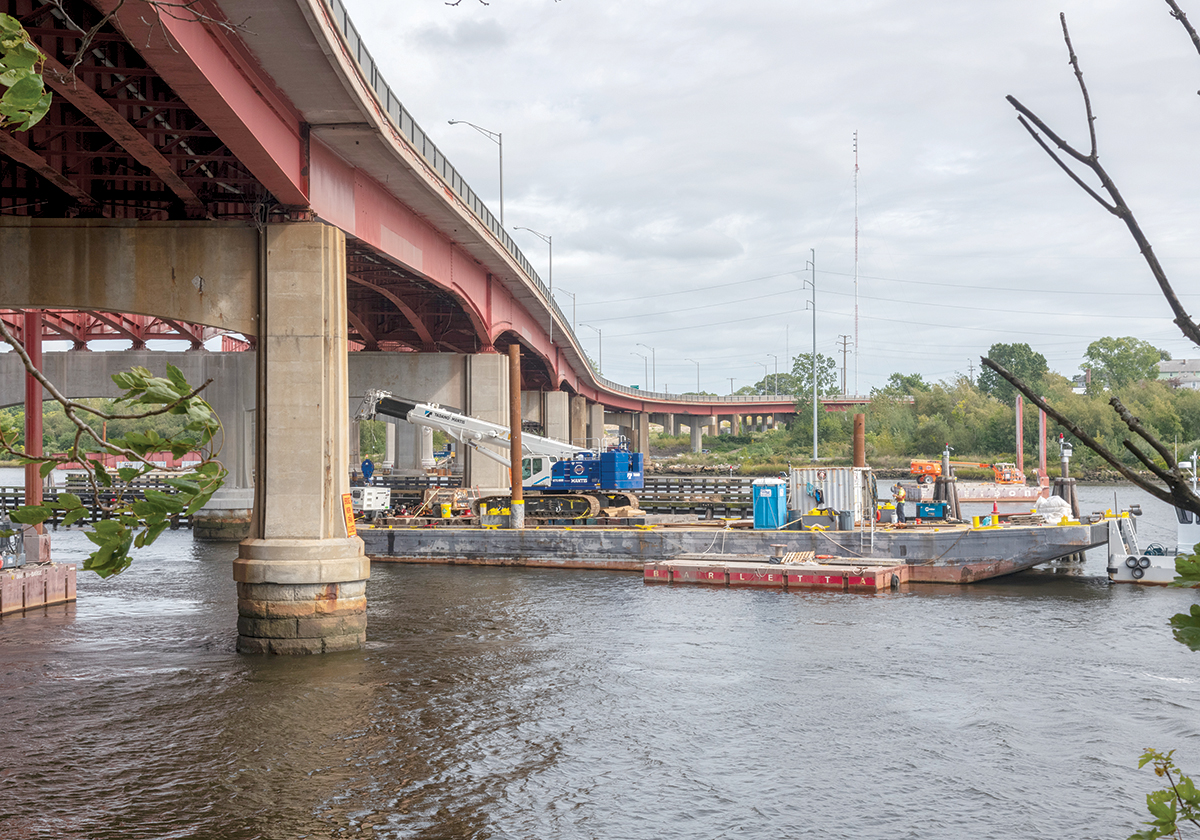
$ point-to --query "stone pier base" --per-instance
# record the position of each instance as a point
(301, 596)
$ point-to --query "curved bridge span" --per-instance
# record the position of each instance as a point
(267, 181)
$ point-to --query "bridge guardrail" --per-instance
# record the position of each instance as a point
(407, 125)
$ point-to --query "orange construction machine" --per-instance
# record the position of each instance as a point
(927, 471)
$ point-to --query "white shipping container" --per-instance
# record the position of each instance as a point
(831, 488)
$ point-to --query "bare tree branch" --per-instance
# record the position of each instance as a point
(1178, 492)
(1118, 206)
(1180, 16)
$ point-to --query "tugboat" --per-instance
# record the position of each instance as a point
(1154, 566)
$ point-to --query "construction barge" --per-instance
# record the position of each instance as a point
(932, 553)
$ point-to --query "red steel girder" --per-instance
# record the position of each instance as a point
(99, 111)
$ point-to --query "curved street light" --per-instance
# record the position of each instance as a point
(497, 138)
(600, 342)
(549, 240)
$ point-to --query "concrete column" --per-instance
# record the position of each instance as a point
(487, 399)
(579, 420)
(735, 424)
(356, 457)
(389, 444)
(533, 409)
(427, 460)
(695, 430)
(302, 578)
(714, 426)
(641, 422)
(558, 415)
(595, 428)
(669, 424)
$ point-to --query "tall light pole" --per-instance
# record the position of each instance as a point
(645, 367)
(653, 367)
(600, 342)
(497, 138)
(572, 294)
(776, 358)
(549, 240)
(813, 283)
(697, 364)
(766, 372)
(731, 386)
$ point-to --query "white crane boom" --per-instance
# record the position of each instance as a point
(469, 431)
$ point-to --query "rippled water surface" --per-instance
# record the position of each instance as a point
(516, 703)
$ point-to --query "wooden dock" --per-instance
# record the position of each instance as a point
(841, 574)
(27, 587)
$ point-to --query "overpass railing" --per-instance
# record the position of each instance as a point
(407, 126)
(404, 122)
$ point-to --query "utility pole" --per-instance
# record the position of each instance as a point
(812, 263)
(731, 386)
(845, 342)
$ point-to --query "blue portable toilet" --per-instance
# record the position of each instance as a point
(770, 503)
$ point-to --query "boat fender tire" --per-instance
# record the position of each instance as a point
(1144, 562)
(1138, 573)
(895, 582)
(1131, 562)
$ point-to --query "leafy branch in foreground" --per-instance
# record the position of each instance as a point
(1179, 801)
(26, 99)
(131, 522)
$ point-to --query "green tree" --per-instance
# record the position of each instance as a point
(1022, 360)
(1117, 362)
(902, 385)
(802, 377)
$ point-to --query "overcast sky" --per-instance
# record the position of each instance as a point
(686, 156)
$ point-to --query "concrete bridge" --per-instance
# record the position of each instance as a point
(267, 181)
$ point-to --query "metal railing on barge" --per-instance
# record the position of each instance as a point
(14, 497)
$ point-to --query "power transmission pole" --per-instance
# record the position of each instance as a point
(845, 341)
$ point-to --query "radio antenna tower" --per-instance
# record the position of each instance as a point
(856, 263)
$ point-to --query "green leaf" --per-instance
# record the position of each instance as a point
(69, 501)
(10, 25)
(73, 516)
(108, 528)
(169, 503)
(178, 379)
(25, 93)
(1186, 627)
(182, 484)
(153, 532)
(146, 508)
(46, 468)
(130, 473)
(31, 514)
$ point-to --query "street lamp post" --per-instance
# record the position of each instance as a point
(645, 367)
(600, 344)
(776, 358)
(813, 283)
(549, 240)
(697, 364)
(497, 138)
(766, 372)
(572, 294)
(653, 367)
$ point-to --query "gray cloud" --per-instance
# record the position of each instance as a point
(677, 147)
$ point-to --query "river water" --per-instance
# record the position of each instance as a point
(523, 703)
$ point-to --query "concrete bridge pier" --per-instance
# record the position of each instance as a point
(579, 421)
(595, 426)
(302, 578)
(695, 429)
